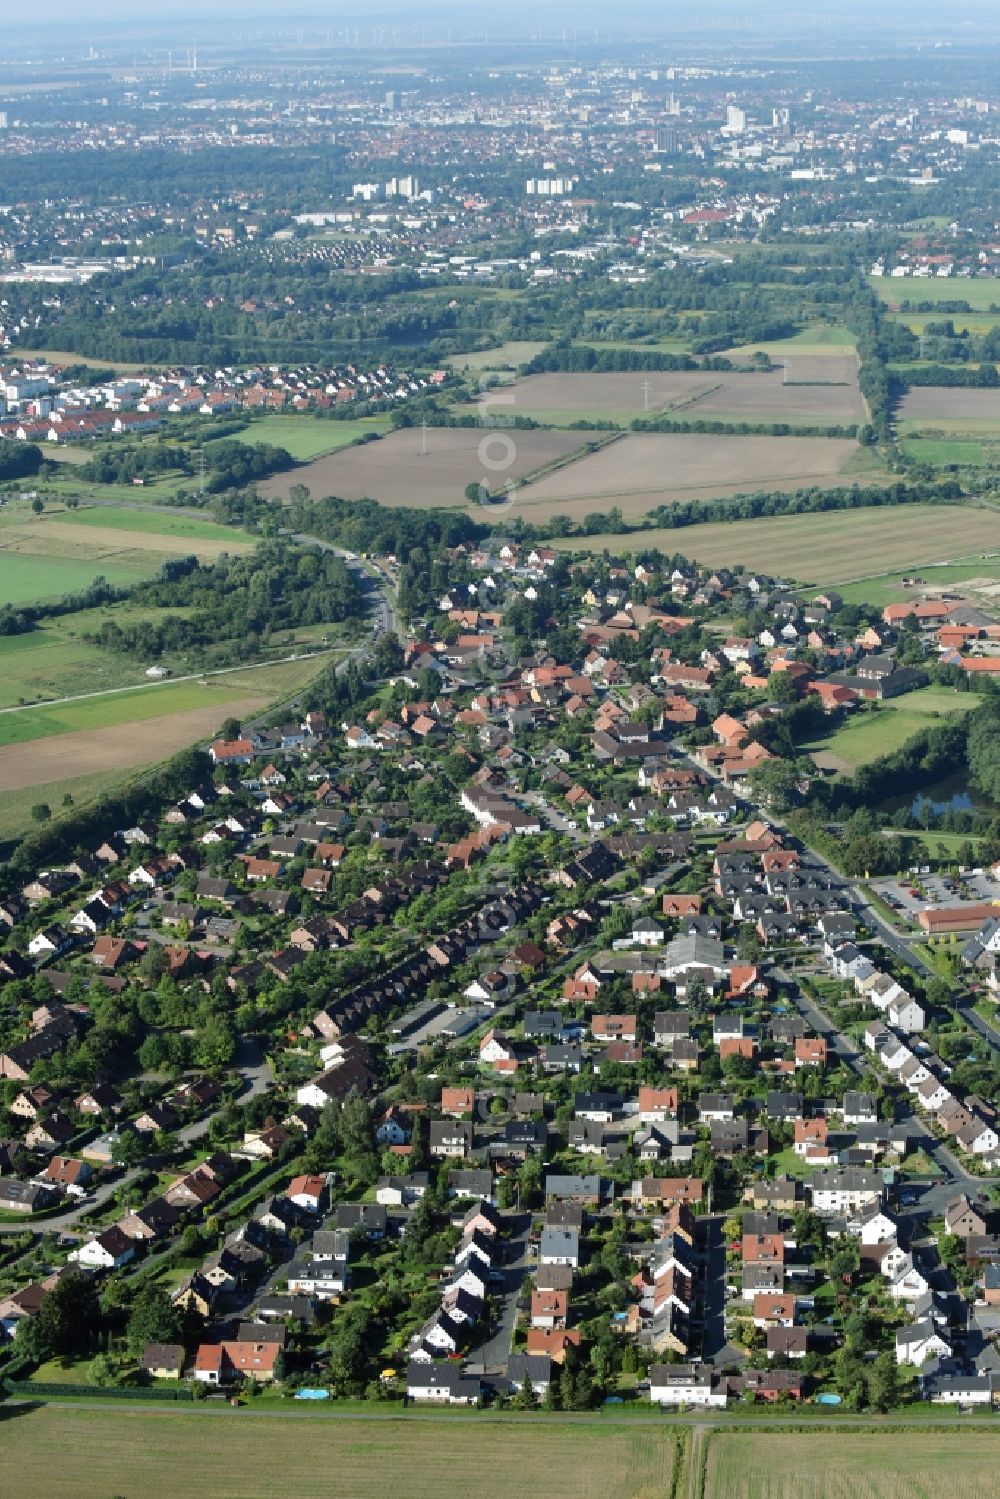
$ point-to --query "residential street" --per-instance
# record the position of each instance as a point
(256, 1074)
(492, 1355)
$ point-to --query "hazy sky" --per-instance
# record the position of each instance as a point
(916, 19)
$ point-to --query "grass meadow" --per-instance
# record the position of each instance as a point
(981, 293)
(872, 732)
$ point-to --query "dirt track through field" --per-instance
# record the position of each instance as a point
(117, 747)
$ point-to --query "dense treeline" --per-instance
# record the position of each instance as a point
(670, 423)
(583, 359)
(117, 464)
(939, 374)
(366, 526)
(19, 460)
(983, 748)
(233, 464)
(237, 602)
(863, 315)
(161, 176)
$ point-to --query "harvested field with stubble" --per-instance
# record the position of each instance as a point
(852, 1464)
(825, 547)
(396, 471)
(115, 746)
(947, 406)
(748, 396)
(648, 469)
(144, 1454)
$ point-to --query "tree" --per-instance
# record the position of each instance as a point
(525, 1398)
(844, 1258)
(129, 1149)
(152, 1319)
(190, 1241)
(41, 812)
(883, 1382)
(697, 996)
(357, 1138)
(775, 783)
(70, 1316)
(781, 687)
(101, 1371)
(37, 505)
(849, 1376)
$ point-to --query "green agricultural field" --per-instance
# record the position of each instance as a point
(67, 357)
(872, 732)
(817, 338)
(949, 427)
(941, 450)
(139, 1453)
(962, 322)
(27, 579)
(63, 551)
(113, 708)
(55, 660)
(158, 522)
(508, 356)
(849, 1464)
(307, 437)
(67, 483)
(828, 547)
(981, 294)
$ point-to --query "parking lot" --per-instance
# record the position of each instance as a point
(913, 894)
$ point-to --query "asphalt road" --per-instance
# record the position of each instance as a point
(957, 1178)
(494, 1353)
(714, 1347)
